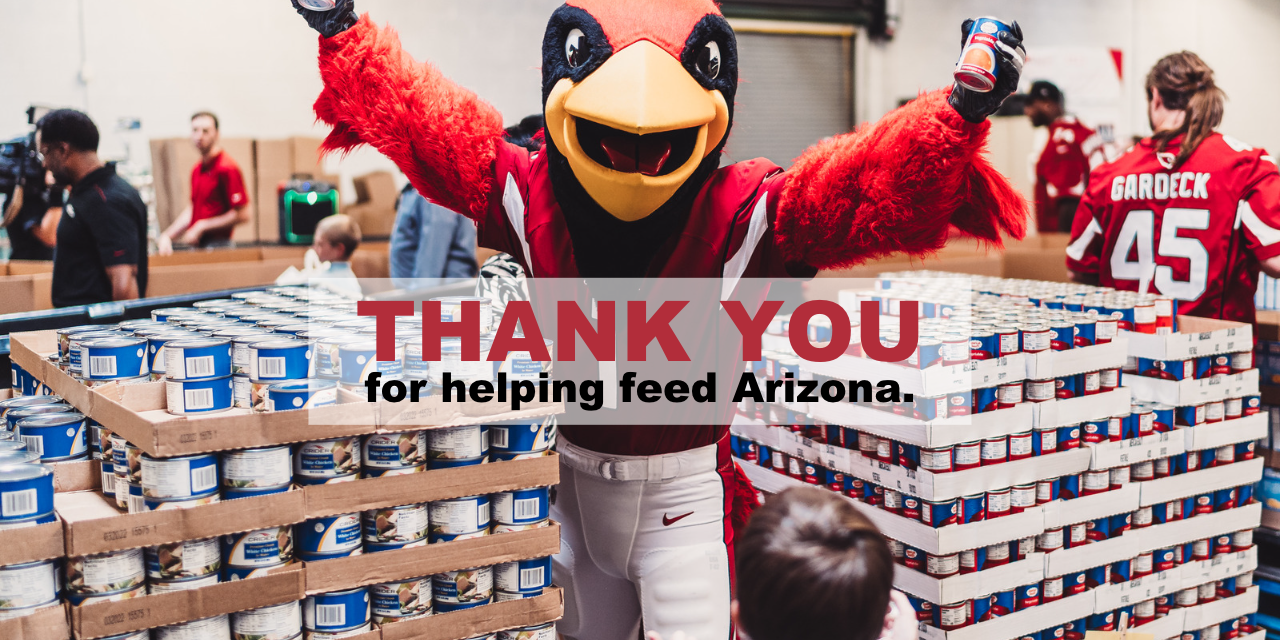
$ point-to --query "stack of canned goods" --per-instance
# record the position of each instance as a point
(416, 525)
(43, 428)
(26, 500)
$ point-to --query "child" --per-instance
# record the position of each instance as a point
(336, 239)
(810, 565)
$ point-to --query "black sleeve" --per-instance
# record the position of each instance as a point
(115, 231)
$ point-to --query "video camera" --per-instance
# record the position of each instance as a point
(19, 164)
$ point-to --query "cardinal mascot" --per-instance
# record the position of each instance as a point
(638, 97)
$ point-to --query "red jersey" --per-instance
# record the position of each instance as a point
(729, 233)
(216, 188)
(1062, 167)
(1196, 233)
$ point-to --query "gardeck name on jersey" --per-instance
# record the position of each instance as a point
(1160, 186)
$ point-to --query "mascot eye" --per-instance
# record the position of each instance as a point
(576, 48)
(709, 60)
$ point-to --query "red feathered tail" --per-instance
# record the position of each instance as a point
(896, 186)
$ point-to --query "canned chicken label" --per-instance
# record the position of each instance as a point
(328, 458)
(530, 436)
(396, 524)
(395, 450)
(522, 506)
(277, 622)
(523, 576)
(197, 359)
(279, 360)
(257, 468)
(329, 535)
(183, 477)
(460, 515)
(112, 358)
(262, 548)
(55, 437)
(464, 586)
(214, 628)
(455, 443)
(189, 559)
(541, 632)
(522, 365)
(106, 573)
(401, 599)
(337, 611)
(25, 492)
(198, 396)
(28, 585)
(309, 394)
(157, 586)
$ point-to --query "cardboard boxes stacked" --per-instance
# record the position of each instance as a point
(102, 546)
(1017, 513)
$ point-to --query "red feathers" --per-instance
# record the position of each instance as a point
(442, 136)
(666, 23)
(897, 185)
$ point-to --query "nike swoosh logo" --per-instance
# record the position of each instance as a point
(666, 521)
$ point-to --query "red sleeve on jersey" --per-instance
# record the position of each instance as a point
(1259, 208)
(503, 225)
(237, 197)
(1085, 250)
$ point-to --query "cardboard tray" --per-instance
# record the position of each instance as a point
(1217, 434)
(968, 586)
(1182, 393)
(390, 566)
(1058, 413)
(931, 382)
(1163, 536)
(1201, 616)
(137, 412)
(42, 542)
(1094, 554)
(1019, 623)
(1200, 482)
(481, 621)
(1167, 628)
(926, 433)
(1114, 596)
(149, 611)
(1195, 337)
(1059, 364)
(1061, 513)
(1107, 455)
(46, 624)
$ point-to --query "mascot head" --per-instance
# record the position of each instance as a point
(638, 98)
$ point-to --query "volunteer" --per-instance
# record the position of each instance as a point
(101, 253)
(218, 198)
(1067, 150)
(1188, 212)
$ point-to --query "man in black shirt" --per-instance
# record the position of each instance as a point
(102, 238)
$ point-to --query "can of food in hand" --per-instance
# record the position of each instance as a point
(329, 537)
(187, 397)
(463, 589)
(114, 358)
(459, 517)
(327, 461)
(28, 585)
(57, 437)
(263, 548)
(336, 612)
(197, 359)
(399, 601)
(280, 360)
(406, 523)
(113, 572)
(305, 394)
(276, 622)
(249, 471)
(521, 506)
(179, 560)
(179, 478)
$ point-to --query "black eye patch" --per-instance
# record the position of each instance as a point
(555, 64)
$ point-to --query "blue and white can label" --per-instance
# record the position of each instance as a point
(523, 436)
(395, 450)
(114, 358)
(184, 397)
(276, 622)
(28, 585)
(455, 443)
(356, 360)
(56, 436)
(454, 590)
(188, 559)
(338, 534)
(521, 365)
(522, 506)
(280, 360)
(453, 463)
(308, 394)
(197, 359)
(230, 493)
(257, 468)
(406, 523)
(327, 459)
(451, 362)
(337, 611)
(262, 548)
(400, 600)
(180, 478)
(523, 576)
(170, 504)
(414, 366)
(232, 574)
(460, 515)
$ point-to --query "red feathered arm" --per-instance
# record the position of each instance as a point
(441, 136)
(895, 186)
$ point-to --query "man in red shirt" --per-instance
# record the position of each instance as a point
(1188, 213)
(218, 198)
(1061, 166)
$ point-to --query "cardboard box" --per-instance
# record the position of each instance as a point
(278, 161)
(1019, 623)
(481, 621)
(926, 433)
(1217, 434)
(1201, 616)
(1183, 393)
(1200, 482)
(83, 475)
(1060, 413)
(1094, 554)
(375, 207)
(972, 585)
(1170, 534)
(150, 611)
(1061, 513)
(1108, 455)
(402, 564)
(93, 525)
(931, 382)
(1060, 364)
(1195, 337)
(41, 542)
(49, 623)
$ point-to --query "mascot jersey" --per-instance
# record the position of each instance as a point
(638, 100)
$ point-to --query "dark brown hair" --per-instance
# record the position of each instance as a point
(1185, 82)
(810, 565)
(209, 115)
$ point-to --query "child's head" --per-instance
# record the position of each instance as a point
(336, 238)
(811, 566)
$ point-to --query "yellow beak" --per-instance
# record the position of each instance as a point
(639, 91)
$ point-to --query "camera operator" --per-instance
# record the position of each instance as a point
(31, 219)
(101, 254)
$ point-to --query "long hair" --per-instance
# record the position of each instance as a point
(1185, 82)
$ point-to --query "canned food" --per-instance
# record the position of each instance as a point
(523, 436)
(215, 628)
(21, 402)
(329, 536)
(280, 360)
(257, 468)
(451, 310)
(169, 504)
(180, 477)
(336, 612)
(545, 631)
(276, 622)
(356, 360)
(197, 359)
(521, 365)
(269, 547)
(937, 460)
(210, 395)
(28, 585)
(459, 516)
(13, 416)
(74, 365)
(114, 358)
(521, 506)
(499, 527)
(108, 573)
(523, 576)
(395, 450)
(307, 394)
(396, 601)
(455, 443)
(189, 559)
(463, 589)
(979, 63)
(968, 455)
(396, 524)
(452, 363)
(327, 461)
(55, 436)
